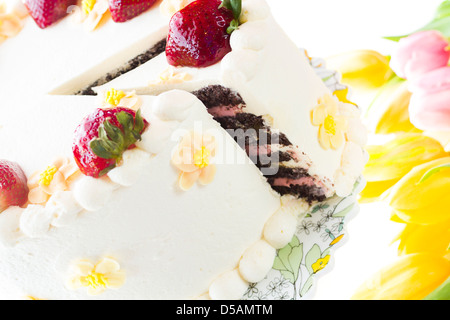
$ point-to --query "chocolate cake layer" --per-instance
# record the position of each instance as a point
(139, 60)
(271, 151)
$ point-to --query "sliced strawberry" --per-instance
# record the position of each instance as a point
(13, 185)
(102, 138)
(124, 10)
(199, 34)
(47, 12)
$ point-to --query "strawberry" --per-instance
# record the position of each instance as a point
(199, 34)
(13, 185)
(124, 10)
(47, 12)
(102, 138)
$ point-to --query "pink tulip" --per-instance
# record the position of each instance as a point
(429, 107)
(420, 53)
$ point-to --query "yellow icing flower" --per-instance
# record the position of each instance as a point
(193, 158)
(170, 7)
(117, 98)
(106, 274)
(332, 126)
(320, 264)
(56, 177)
(91, 14)
(87, 6)
(412, 277)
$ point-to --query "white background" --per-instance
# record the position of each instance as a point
(325, 28)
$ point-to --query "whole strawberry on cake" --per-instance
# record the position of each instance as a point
(168, 149)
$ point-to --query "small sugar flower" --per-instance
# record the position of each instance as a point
(91, 13)
(332, 126)
(106, 274)
(56, 177)
(113, 98)
(193, 158)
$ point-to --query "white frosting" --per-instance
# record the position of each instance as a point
(280, 228)
(229, 286)
(35, 221)
(257, 261)
(10, 226)
(92, 194)
(64, 208)
(133, 162)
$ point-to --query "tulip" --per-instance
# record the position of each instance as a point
(366, 69)
(389, 112)
(416, 238)
(430, 102)
(422, 195)
(412, 277)
(388, 163)
(420, 53)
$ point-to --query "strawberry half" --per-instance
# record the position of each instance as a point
(47, 12)
(13, 185)
(124, 10)
(102, 138)
(199, 34)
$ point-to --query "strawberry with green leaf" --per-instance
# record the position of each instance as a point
(199, 34)
(102, 138)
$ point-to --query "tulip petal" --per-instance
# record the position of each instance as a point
(412, 277)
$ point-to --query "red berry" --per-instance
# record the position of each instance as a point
(198, 34)
(103, 136)
(124, 10)
(13, 185)
(47, 12)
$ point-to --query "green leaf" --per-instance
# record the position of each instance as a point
(307, 286)
(311, 257)
(433, 171)
(113, 132)
(441, 22)
(344, 212)
(443, 10)
(235, 6)
(441, 293)
(288, 260)
(100, 149)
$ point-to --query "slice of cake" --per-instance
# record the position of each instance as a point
(322, 152)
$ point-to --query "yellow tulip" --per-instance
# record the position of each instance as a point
(389, 111)
(416, 238)
(366, 69)
(388, 163)
(412, 277)
(422, 196)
